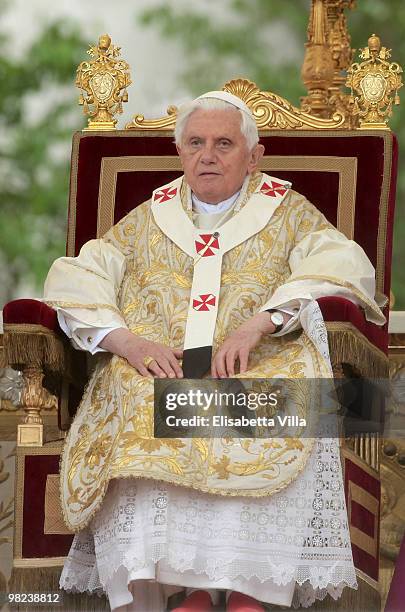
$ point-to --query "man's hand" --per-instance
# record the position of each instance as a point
(239, 344)
(124, 343)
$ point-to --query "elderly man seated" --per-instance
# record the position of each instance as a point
(218, 275)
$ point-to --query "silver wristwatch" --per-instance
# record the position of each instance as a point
(277, 319)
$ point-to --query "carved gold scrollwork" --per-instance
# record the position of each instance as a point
(138, 122)
(270, 111)
(376, 83)
(34, 398)
(104, 81)
(274, 112)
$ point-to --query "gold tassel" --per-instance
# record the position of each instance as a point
(351, 347)
(30, 347)
(46, 580)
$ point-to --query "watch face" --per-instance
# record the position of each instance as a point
(277, 318)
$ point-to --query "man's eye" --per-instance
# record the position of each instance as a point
(195, 142)
(224, 144)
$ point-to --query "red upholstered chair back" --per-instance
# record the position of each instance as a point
(349, 175)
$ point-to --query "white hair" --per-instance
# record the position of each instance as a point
(248, 125)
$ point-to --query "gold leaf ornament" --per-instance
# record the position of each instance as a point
(374, 85)
(272, 111)
(103, 81)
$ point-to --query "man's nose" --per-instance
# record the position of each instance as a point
(208, 154)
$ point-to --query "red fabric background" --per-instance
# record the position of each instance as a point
(361, 517)
(396, 595)
(339, 309)
(34, 542)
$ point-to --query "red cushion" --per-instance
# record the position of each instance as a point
(340, 309)
(31, 312)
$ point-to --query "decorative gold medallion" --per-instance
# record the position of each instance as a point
(104, 81)
(376, 83)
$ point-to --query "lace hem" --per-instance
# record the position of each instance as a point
(80, 572)
(305, 595)
(100, 592)
(231, 567)
(313, 583)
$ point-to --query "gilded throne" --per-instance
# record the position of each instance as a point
(337, 150)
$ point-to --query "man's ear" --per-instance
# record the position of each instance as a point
(255, 156)
(179, 154)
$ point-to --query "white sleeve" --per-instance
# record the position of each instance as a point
(326, 263)
(83, 290)
(84, 338)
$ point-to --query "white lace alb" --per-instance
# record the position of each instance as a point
(300, 534)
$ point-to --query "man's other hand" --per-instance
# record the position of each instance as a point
(164, 359)
(239, 345)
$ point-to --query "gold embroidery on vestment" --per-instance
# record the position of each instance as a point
(112, 435)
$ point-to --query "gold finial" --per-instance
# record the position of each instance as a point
(376, 83)
(318, 67)
(104, 81)
(374, 44)
(342, 55)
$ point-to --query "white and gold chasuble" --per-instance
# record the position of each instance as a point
(173, 283)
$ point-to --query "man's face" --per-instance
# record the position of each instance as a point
(214, 154)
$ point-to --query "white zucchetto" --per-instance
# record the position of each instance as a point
(228, 97)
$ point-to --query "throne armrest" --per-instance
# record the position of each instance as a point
(32, 336)
(34, 343)
(353, 340)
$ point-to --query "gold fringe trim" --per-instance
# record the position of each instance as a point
(33, 345)
(35, 580)
(348, 345)
(3, 360)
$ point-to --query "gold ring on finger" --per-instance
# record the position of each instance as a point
(147, 360)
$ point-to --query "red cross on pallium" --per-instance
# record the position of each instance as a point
(205, 302)
(274, 189)
(205, 239)
(165, 194)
